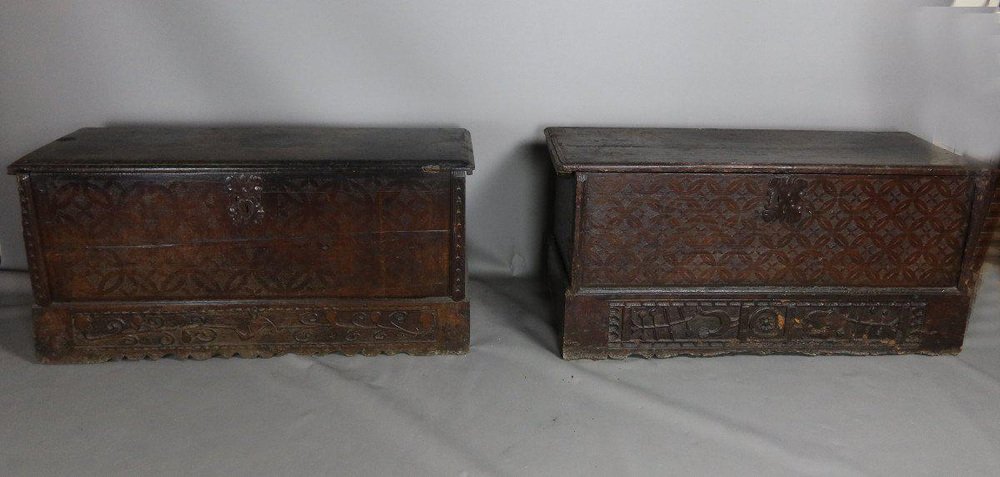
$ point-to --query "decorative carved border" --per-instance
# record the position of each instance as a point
(723, 325)
(242, 327)
(36, 263)
(989, 234)
(457, 252)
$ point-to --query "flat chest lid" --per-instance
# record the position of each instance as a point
(311, 148)
(669, 150)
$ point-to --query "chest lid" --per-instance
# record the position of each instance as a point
(712, 150)
(301, 148)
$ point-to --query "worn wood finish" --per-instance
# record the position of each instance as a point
(148, 242)
(705, 242)
(713, 150)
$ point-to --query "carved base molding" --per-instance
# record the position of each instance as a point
(708, 324)
(600, 326)
(91, 333)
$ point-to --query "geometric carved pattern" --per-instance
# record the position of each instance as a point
(705, 324)
(115, 237)
(107, 209)
(307, 325)
(756, 229)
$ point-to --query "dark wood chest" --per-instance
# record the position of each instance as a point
(704, 242)
(196, 242)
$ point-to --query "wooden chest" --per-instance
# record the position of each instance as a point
(705, 242)
(252, 242)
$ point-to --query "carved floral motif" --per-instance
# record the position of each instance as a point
(766, 322)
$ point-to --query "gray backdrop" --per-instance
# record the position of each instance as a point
(504, 70)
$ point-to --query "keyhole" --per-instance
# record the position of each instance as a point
(244, 211)
(245, 208)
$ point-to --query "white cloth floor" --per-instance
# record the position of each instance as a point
(509, 407)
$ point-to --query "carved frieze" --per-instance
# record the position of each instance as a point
(251, 326)
(716, 324)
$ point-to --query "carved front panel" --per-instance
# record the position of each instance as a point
(150, 329)
(113, 237)
(766, 229)
(145, 209)
(704, 324)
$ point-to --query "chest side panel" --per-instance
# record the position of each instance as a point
(243, 235)
(773, 230)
